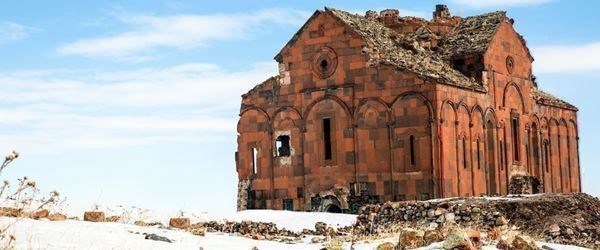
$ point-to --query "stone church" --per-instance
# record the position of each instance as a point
(384, 107)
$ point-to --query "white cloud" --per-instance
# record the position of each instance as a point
(147, 32)
(11, 32)
(566, 58)
(57, 110)
(499, 3)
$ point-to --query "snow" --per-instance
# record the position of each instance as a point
(73, 234)
(294, 221)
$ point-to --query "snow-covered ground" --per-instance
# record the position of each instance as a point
(295, 221)
(73, 234)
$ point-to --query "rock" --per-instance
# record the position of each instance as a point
(40, 214)
(432, 236)
(523, 243)
(11, 212)
(501, 221)
(449, 217)
(476, 210)
(57, 217)
(198, 231)
(113, 218)
(157, 238)
(430, 213)
(181, 223)
(458, 239)
(494, 234)
(317, 240)
(94, 216)
(321, 228)
(410, 238)
(386, 246)
(440, 219)
(475, 237)
(439, 211)
(569, 231)
(554, 230)
(503, 245)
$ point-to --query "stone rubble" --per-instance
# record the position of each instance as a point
(572, 219)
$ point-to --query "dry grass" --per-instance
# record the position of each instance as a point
(21, 201)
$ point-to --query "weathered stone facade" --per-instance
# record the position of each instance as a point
(383, 107)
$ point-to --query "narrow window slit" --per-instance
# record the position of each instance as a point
(327, 138)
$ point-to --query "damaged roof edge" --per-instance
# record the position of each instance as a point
(272, 78)
(547, 99)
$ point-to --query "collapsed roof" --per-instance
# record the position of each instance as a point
(384, 46)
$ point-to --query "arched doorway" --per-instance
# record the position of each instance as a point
(491, 163)
(330, 204)
(332, 208)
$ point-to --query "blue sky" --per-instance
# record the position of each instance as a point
(135, 102)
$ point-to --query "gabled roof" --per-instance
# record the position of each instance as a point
(548, 99)
(297, 34)
(384, 46)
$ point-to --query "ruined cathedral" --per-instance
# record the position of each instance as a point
(384, 107)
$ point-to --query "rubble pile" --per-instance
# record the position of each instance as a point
(265, 231)
(472, 36)
(572, 219)
(384, 46)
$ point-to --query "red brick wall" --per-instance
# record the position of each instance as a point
(395, 135)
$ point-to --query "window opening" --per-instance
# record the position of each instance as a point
(283, 145)
(254, 160)
(411, 140)
(327, 138)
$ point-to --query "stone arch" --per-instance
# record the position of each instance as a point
(413, 94)
(565, 171)
(491, 155)
(534, 118)
(371, 101)
(336, 99)
(448, 116)
(490, 115)
(287, 128)
(290, 110)
(254, 147)
(535, 148)
(519, 95)
(464, 150)
(328, 116)
(411, 116)
(372, 117)
(448, 143)
(574, 156)
(478, 151)
(248, 109)
(554, 160)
